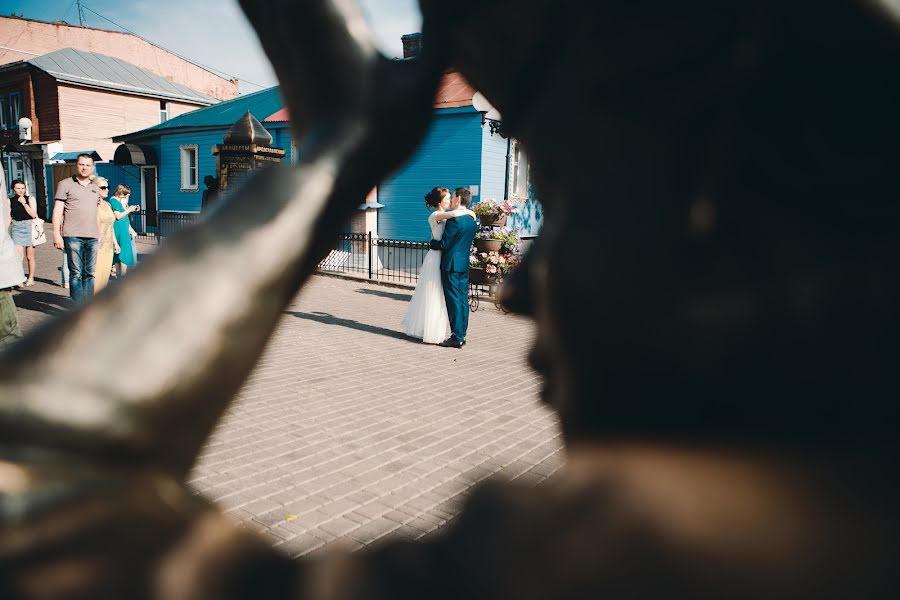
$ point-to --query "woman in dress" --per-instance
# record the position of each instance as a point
(426, 317)
(124, 258)
(108, 245)
(23, 211)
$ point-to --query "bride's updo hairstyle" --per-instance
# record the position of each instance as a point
(434, 197)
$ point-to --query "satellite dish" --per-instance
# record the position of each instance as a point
(493, 114)
(481, 103)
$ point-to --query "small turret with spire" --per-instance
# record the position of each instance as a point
(247, 146)
(247, 130)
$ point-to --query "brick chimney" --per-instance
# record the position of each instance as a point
(412, 44)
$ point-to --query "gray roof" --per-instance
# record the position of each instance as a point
(101, 71)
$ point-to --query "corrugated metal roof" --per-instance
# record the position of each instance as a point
(224, 114)
(282, 116)
(73, 156)
(106, 72)
(267, 106)
(453, 92)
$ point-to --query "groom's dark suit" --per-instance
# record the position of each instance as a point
(455, 245)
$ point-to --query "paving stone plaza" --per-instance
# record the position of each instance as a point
(348, 432)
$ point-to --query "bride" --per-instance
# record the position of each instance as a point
(426, 318)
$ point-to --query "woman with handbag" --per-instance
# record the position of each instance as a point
(23, 211)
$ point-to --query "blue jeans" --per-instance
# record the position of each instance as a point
(81, 254)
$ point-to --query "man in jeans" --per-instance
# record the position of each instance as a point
(76, 228)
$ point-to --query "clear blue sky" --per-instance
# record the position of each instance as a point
(211, 32)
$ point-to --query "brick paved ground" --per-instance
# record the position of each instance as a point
(348, 432)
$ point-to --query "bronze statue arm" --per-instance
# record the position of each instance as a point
(86, 449)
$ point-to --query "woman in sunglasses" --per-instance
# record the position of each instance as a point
(108, 246)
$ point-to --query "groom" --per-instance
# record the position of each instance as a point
(455, 245)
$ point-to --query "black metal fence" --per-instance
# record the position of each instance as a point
(138, 222)
(166, 224)
(371, 257)
(173, 222)
(362, 254)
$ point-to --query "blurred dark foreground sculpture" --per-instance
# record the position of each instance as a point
(715, 291)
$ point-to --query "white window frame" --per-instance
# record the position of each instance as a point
(164, 111)
(3, 104)
(518, 171)
(186, 150)
(15, 106)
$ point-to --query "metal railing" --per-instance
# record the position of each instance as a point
(167, 223)
(144, 230)
(362, 254)
(368, 256)
(173, 222)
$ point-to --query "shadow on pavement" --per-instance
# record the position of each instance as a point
(329, 319)
(42, 302)
(383, 294)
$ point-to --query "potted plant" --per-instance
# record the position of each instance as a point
(494, 239)
(491, 212)
(488, 268)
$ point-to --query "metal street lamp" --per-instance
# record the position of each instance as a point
(25, 129)
(489, 114)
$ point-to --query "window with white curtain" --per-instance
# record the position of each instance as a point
(15, 110)
(518, 171)
(189, 178)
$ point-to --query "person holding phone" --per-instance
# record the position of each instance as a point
(122, 228)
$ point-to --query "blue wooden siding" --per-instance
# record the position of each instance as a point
(130, 176)
(494, 152)
(281, 138)
(450, 157)
(530, 216)
(171, 197)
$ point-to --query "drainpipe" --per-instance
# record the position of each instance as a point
(508, 159)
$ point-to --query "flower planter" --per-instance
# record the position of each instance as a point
(479, 277)
(492, 222)
(488, 245)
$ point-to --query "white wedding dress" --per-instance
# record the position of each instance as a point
(426, 318)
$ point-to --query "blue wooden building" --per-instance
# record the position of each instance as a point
(174, 157)
(459, 151)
